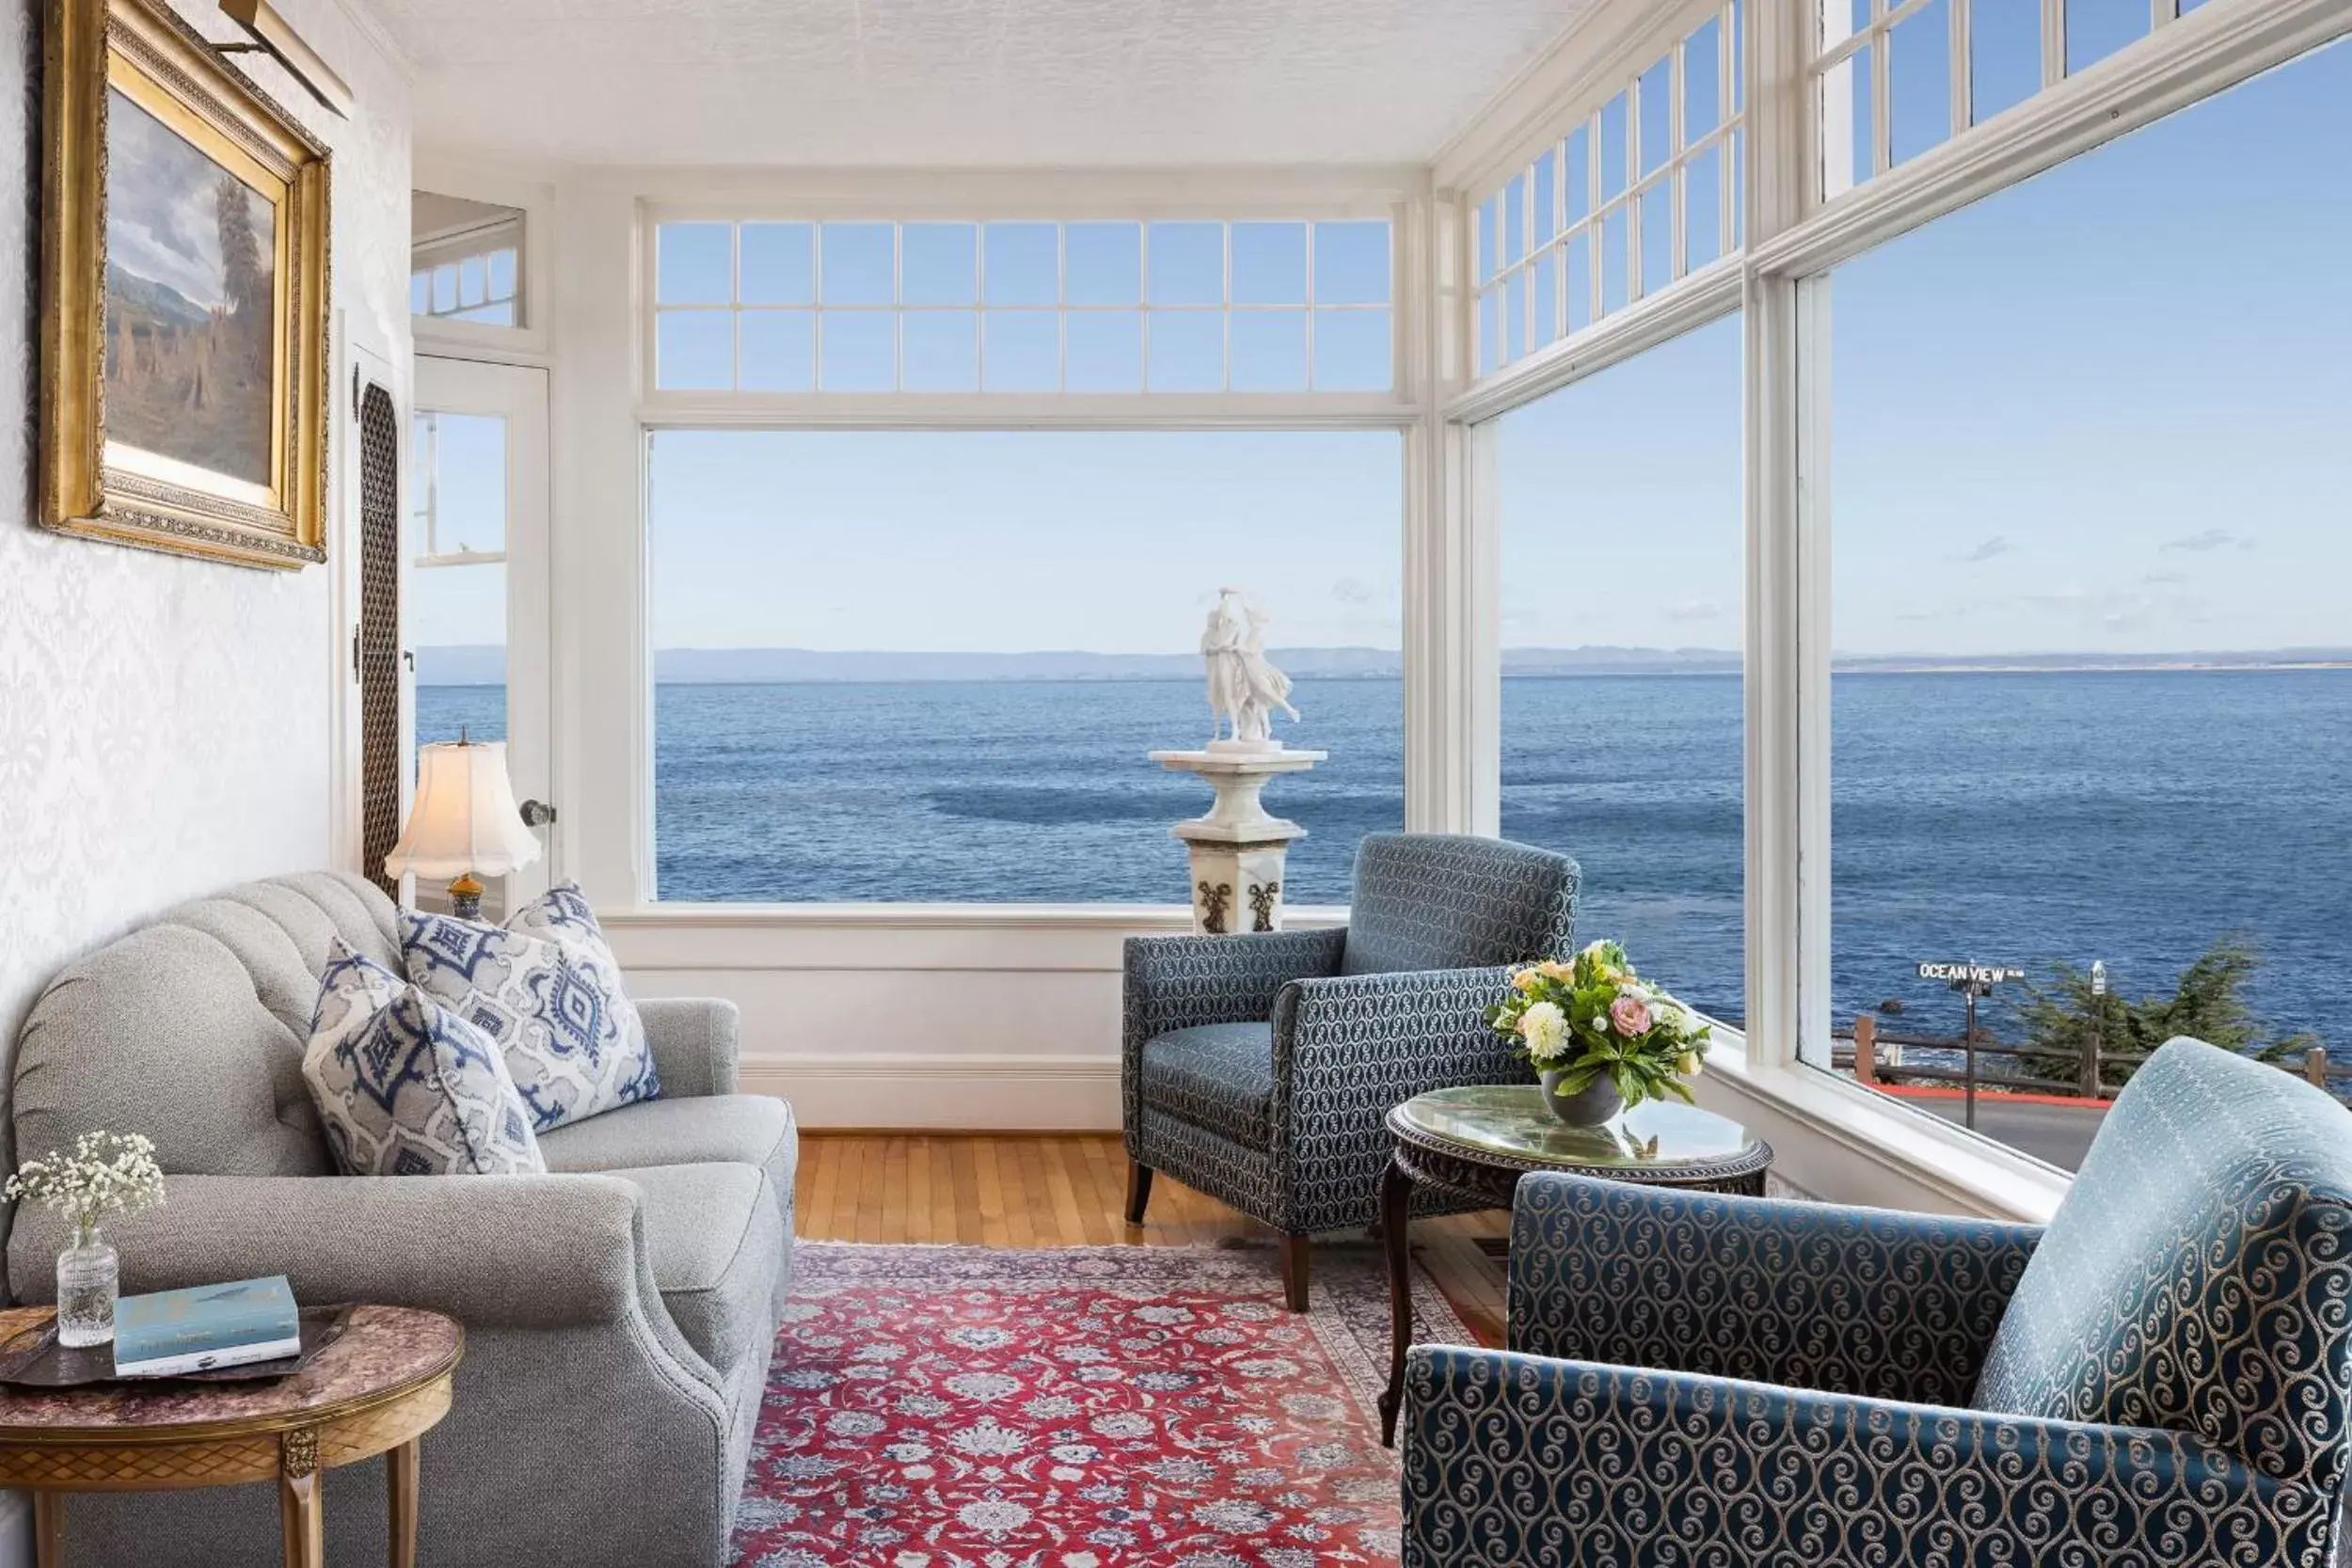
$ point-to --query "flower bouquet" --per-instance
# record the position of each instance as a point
(108, 1174)
(1601, 1037)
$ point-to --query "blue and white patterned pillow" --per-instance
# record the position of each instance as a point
(405, 1087)
(547, 988)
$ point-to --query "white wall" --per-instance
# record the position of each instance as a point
(165, 723)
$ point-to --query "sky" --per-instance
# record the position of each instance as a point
(162, 209)
(2106, 411)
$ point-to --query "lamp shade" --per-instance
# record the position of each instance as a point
(464, 817)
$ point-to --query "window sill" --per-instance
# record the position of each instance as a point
(1140, 918)
(1918, 1160)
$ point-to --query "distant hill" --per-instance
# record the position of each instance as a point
(146, 299)
(486, 664)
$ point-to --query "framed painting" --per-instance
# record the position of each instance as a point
(184, 297)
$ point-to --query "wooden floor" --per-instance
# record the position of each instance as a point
(1018, 1190)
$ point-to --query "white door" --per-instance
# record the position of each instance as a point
(474, 590)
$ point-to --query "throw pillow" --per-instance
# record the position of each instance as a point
(406, 1088)
(545, 986)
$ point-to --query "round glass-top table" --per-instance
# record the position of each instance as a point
(1475, 1143)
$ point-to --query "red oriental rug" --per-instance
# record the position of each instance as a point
(1085, 1407)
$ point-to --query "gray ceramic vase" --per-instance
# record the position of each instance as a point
(1595, 1105)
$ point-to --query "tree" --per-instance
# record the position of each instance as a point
(2064, 1019)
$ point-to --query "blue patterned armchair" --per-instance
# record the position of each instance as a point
(1260, 1070)
(2163, 1378)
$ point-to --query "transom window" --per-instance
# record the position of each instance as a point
(1639, 195)
(465, 260)
(1894, 78)
(1112, 306)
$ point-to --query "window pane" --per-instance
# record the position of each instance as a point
(779, 263)
(1919, 92)
(1187, 349)
(1614, 260)
(444, 288)
(1580, 174)
(1022, 352)
(1614, 150)
(1658, 236)
(2004, 55)
(1106, 262)
(693, 263)
(2085, 568)
(502, 274)
(1656, 90)
(2097, 28)
(856, 699)
(1105, 351)
(1546, 193)
(1544, 298)
(939, 264)
(694, 350)
(1270, 351)
(1514, 324)
(473, 279)
(1352, 263)
(858, 349)
(1657, 825)
(1701, 82)
(1580, 280)
(461, 482)
(1489, 218)
(1270, 263)
(779, 350)
(1702, 209)
(1514, 221)
(1353, 351)
(1490, 331)
(1186, 263)
(940, 351)
(857, 263)
(1023, 263)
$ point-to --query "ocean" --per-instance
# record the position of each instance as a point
(2132, 817)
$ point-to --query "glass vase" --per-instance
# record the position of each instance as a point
(86, 1281)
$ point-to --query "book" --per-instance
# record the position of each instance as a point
(170, 1333)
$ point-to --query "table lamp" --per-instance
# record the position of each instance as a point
(463, 823)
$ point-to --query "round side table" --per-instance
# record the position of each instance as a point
(374, 1390)
(1476, 1142)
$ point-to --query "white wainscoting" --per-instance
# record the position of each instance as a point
(914, 1016)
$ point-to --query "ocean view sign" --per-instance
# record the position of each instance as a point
(1958, 974)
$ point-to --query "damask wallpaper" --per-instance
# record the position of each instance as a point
(165, 723)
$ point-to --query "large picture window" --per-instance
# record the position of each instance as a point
(1620, 517)
(2092, 696)
(924, 666)
(1117, 307)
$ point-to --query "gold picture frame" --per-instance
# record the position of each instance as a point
(184, 297)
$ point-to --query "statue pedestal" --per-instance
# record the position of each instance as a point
(1237, 848)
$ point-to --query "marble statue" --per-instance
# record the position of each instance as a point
(1245, 687)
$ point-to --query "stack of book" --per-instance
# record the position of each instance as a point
(172, 1333)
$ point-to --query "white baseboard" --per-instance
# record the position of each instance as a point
(965, 1094)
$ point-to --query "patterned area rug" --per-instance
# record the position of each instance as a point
(1086, 1407)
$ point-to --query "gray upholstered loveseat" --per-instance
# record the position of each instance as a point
(619, 1316)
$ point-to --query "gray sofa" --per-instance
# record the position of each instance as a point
(619, 1315)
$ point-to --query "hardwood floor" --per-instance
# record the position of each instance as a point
(1024, 1190)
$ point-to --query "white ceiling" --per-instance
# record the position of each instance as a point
(962, 82)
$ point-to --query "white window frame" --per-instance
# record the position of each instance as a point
(487, 180)
(1852, 1139)
(1434, 633)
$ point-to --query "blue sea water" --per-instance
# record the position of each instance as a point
(2130, 817)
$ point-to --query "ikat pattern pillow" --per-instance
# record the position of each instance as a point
(404, 1086)
(545, 986)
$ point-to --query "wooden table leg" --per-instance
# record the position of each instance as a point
(399, 1477)
(1396, 1207)
(48, 1528)
(299, 1515)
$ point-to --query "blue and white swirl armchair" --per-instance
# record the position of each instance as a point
(1260, 1069)
(2163, 1379)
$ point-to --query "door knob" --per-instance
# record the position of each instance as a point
(537, 814)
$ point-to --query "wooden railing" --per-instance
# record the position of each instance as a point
(1875, 1057)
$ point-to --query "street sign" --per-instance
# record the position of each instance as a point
(1970, 974)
